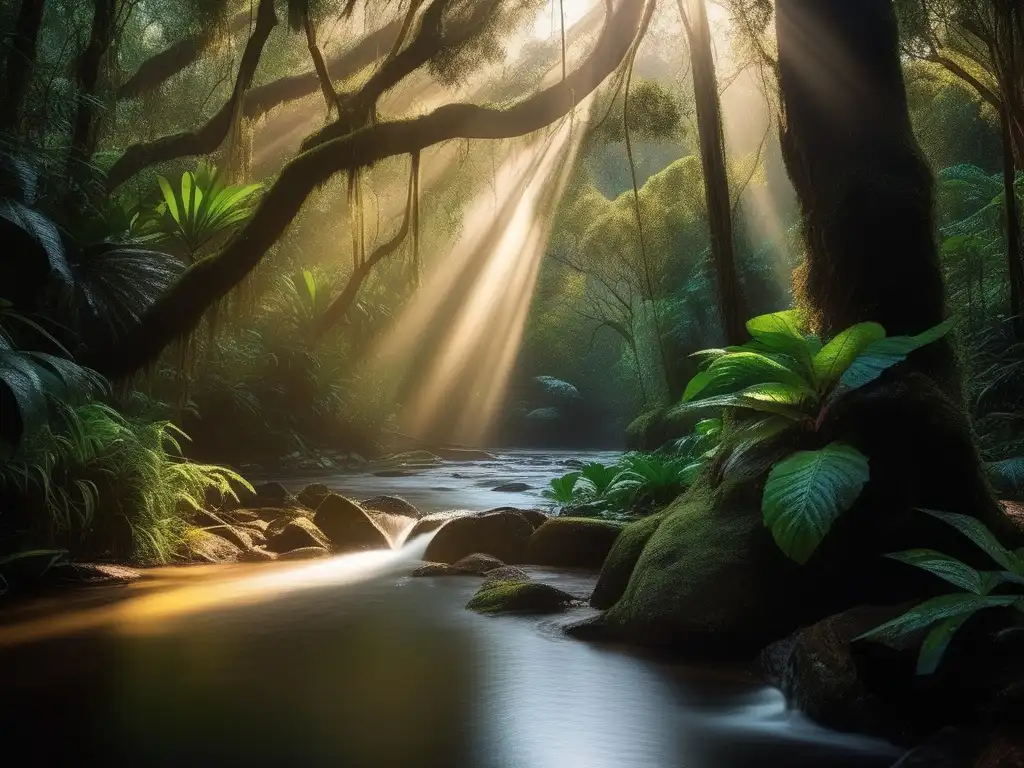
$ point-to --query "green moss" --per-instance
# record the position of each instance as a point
(618, 565)
(520, 597)
(655, 427)
(573, 542)
(710, 578)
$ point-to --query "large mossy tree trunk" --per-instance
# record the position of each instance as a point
(711, 578)
(20, 63)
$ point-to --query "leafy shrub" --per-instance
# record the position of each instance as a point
(788, 379)
(112, 485)
(946, 614)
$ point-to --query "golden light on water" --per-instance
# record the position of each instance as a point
(500, 249)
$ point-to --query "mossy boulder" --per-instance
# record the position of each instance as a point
(206, 547)
(268, 495)
(710, 579)
(478, 563)
(621, 560)
(391, 505)
(433, 521)
(505, 573)
(305, 553)
(298, 533)
(572, 542)
(440, 569)
(347, 525)
(536, 517)
(520, 597)
(504, 535)
(311, 496)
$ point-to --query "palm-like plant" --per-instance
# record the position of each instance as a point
(202, 208)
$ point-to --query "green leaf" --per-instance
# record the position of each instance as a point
(883, 354)
(835, 357)
(707, 426)
(937, 641)
(697, 383)
(945, 567)
(766, 398)
(807, 491)
(1006, 476)
(739, 370)
(934, 610)
(310, 281)
(781, 332)
(976, 531)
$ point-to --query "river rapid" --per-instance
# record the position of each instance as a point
(349, 661)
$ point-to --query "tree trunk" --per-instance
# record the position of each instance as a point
(21, 62)
(1015, 268)
(716, 177)
(87, 75)
(865, 190)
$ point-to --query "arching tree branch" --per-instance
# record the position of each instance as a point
(208, 137)
(179, 311)
(162, 66)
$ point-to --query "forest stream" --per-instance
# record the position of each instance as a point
(349, 661)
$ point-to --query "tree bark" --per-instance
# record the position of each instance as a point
(21, 63)
(179, 311)
(87, 75)
(205, 140)
(716, 177)
(1015, 269)
(865, 190)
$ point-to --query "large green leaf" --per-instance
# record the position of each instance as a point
(977, 532)
(945, 567)
(807, 491)
(1007, 476)
(739, 370)
(934, 610)
(883, 354)
(835, 357)
(782, 399)
(937, 641)
(781, 332)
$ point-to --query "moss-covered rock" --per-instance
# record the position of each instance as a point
(573, 542)
(347, 525)
(478, 563)
(709, 579)
(298, 533)
(440, 569)
(311, 496)
(536, 517)
(305, 553)
(520, 597)
(502, 534)
(268, 495)
(391, 505)
(505, 573)
(621, 560)
(205, 547)
(433, 521)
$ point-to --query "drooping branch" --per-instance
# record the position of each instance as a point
(361, 270)
(430, 39)
(207, 138)
(179, 311)
(330, 95)
(20, 62)
(162, 66)
(264, 98)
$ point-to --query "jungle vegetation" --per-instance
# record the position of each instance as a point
(214, 211)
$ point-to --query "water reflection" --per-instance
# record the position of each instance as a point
(384, 671)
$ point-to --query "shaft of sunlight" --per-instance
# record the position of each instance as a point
(485, 285)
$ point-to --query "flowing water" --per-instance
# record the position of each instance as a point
(350, 662)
